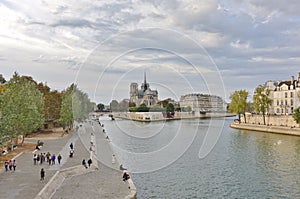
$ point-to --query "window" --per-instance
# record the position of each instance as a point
(281, 102)
(285, 94)
(278, 110)
(286, 102)
(292, 110)
(277, 102)
(292, 102)
(292, 94)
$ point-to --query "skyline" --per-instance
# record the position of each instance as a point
(184, 47)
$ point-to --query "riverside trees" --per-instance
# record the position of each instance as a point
(239, 103)
(25, 105)
(21, 108)
(261, 101)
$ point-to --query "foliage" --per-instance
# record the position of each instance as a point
(114, 106)
(75, 105)
(170, 108)
(21, 108)
(239, 103)
(2, 79)
(52, 102)
(100, 107)
(142, 108)
(261, 101)
(186, 109)
(296, 115)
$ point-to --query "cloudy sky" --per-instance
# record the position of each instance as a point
(203, 46)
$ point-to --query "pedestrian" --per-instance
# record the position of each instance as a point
(53, 157)
(113, 159)
(71, 153)
(34, 159)
(10, 165)
(125, 176)
(42, 174)
(71, 146)
(38, 158)
(42, 159)
(14, 164)
(84, 164)
(59, 158)
(6, 165)
(48, 155)
(90, 162)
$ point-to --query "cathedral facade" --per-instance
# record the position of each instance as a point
(144, 95)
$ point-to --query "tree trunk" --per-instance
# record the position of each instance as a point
(239, 118)
(264, 118)
(245, 118)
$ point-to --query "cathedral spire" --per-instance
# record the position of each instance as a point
(145, 81)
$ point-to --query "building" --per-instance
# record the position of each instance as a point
(285, 96)
(144, 95)
(203, 103)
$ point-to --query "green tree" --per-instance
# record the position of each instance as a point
(21, 108)
(114, 106)
(239, 103)
(261, 101)
(170, 108)
(66, 112)
(296, 115)
(100, 107)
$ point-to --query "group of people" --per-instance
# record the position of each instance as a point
(39, 159)
(88, 165)
(10, 165)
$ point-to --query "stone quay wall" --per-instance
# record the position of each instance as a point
(271, 120)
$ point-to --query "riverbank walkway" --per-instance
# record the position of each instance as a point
(69, 179)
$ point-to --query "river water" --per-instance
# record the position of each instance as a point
(164, 160)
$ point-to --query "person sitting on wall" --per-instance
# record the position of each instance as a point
(125, 176)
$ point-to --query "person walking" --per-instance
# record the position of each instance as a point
(113, 159)
(38, 158)
(42, 159)
(42, 174)
(71, 146)
(84, 164)
(14, 164)
(90, 162)
(48, 155)
(6, 165)
(34, 159)
(10, 165)
(59, 158)
(53, 159)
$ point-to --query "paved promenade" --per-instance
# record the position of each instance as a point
(71, 179)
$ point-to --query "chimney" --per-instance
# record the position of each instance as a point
(299, 77)
(292, 80)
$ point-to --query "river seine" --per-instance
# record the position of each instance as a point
(164, 160)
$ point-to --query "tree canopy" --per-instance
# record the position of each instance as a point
(261, 101)
(239, 103)
(21, 108)
(296, 115)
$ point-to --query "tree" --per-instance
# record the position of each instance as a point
(100, 107)
(262, 101)
(66, 113)
(2, 79)
(52, 102)
(21, 108)
(170, 108)
(114, 106)
(296, 115)
(239, 104)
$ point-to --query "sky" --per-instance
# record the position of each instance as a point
(190, 46)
